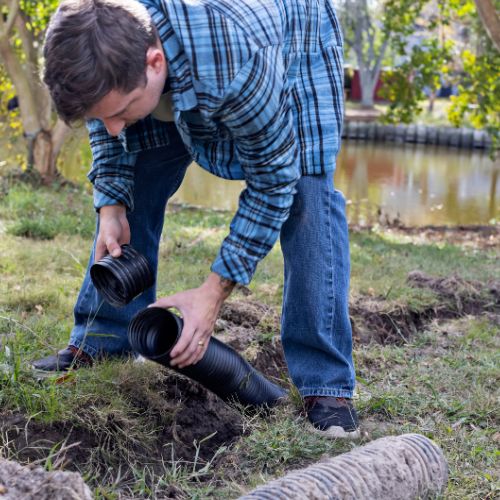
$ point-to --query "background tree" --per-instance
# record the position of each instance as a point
(369, 30)
(22, 27)
(478, 99)
(489, 13)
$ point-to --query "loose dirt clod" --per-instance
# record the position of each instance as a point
(34, 483)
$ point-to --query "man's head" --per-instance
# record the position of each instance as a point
(103, 59)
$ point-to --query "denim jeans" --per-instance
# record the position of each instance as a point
(315, 326)
(316, 331)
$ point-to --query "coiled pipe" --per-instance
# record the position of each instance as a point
(404, 467)
(120, 279)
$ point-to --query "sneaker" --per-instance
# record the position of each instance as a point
(332, 417)
(69, 358)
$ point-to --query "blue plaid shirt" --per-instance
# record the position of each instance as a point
(257, 95)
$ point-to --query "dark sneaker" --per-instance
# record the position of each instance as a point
(71, 357)
(332, 417)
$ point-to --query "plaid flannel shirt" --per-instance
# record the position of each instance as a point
(257, 93)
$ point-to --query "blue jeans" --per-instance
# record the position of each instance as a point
(316, 330)
(315, 326)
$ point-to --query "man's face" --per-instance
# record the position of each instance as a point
(118, 110)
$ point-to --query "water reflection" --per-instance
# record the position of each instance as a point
(419, 185)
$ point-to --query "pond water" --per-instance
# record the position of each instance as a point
(417, 184)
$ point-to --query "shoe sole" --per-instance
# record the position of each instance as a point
(334, 432)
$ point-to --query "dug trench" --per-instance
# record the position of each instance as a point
(173, 418)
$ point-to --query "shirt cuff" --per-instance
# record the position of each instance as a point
(234, 265)
(102, 200)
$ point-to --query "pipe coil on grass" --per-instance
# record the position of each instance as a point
(404, 467)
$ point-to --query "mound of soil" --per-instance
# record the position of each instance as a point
(252, 329)
(374, 320)
(184, 420)
(189, 415)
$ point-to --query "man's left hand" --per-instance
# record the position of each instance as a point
(199, 308)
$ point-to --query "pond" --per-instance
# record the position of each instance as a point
(416, 184)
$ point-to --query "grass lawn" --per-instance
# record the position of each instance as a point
(426, 322)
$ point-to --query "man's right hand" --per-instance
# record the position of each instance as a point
(114, 231)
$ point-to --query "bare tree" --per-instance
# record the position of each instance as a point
(20, 43)
(364, 39)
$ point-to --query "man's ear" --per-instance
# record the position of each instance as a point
(155, 59)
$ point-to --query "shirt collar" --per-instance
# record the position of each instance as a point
(179, 68)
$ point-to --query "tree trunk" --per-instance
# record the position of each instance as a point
(40, 154)
(368, 84)
(43, 150)
(490, 19)
(44, 138)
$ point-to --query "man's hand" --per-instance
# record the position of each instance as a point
(114, 231)
(199, 308)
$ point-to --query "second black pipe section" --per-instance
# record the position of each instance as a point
(121, 279)
(153, 332)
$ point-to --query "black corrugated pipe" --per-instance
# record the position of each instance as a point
(120, 279)
(154, 331)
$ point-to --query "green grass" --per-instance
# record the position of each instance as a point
(446, 387)
(443, 384)
(38, 214)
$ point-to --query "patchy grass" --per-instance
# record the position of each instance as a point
(37, 213)
(145, 433)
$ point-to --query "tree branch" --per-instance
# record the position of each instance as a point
(6, 26)
(21, 81)
(380, 58)
(27, 39)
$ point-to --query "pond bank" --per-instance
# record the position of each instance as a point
(463, 137)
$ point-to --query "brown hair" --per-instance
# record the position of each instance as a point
(92, 47)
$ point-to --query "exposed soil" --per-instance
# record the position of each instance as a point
(185, 418)
(181, 412)
(374, 320)
(181, 415)
(252, 329)
(481, 237)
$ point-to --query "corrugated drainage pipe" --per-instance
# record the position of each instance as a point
(404, 467)
(121, 279)
(154, 331)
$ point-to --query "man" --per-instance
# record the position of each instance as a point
(254, 89)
